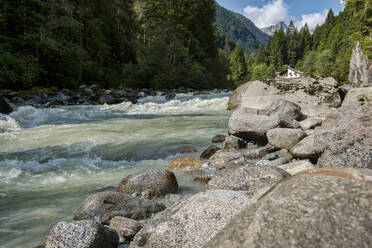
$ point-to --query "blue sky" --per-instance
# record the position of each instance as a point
(268, 12)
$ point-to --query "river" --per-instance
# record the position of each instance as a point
(51, 159)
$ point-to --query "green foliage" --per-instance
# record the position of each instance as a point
(238, 64)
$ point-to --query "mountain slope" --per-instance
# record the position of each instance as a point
(239, 28)
(271, 29)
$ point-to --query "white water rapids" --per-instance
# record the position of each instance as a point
(51, 159)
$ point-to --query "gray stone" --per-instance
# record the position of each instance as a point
(103, 206)
(285, 138)
(307, 149)
(219, 138)
(233, 143)
(288, 112)
(275, 162)
(148, 184)
(255, 180)
(360, 72)
(297, 167)
(310, 123)
(251, 127)
(209, 152)
(278, 154)
(346, 135)
(82, 234)
(358, 96)
(193, 222)
(318, 208)
(125, 227)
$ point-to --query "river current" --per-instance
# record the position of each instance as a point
(51, 159)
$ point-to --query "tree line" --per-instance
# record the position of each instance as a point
(325, 52)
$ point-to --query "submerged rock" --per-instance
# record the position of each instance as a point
(4, 107)
(219, 138)
(185, 163)
(183, 149)
(318, 208)
(285, 138)
(148, 184)
(82, 234)
(255, 180)
(193, 222)
(103, 206)
(209, 152)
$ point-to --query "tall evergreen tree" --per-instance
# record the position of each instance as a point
(238, 64)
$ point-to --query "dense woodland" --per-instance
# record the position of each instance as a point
(161, 44)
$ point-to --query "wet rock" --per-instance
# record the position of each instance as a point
(310, 123)
(183, 149)
(307, 149)
(358, 96)
(185, 163)
(233, 143)
(148, 184)
(255, 180)
(219, 138)
(82, 234)
(125, 227)
(346, 135)
(297, 167)
(285, 138)
(209, 152)
(103, 206)
(4, 107)
(108, 99)
(208, 171)
(193, 222)
(318, 208)
(170, 96)
(360, 67)
(251, 127)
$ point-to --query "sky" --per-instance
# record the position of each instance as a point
(265, 13)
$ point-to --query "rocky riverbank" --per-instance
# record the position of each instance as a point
(288, 174)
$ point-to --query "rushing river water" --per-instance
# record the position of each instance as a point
(51, 159)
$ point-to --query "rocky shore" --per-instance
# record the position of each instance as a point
(294, 170)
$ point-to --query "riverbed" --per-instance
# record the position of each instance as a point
(51, 159)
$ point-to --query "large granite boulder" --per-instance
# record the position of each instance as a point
(149, 184)
(314, 96)
(4, 107)
(360, 67)
(103, 206)
(288, 112)
(193, 222)
(255, 180)
(82, 234)
(358, 96)
(346, 135)
(249, 126)
(318, 208)
(285, 138)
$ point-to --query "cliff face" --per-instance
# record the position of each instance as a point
(360, 68)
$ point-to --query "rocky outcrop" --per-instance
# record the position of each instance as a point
(149, 184)
(4, 107)
(360, 68)
(185, 163)
(103, 206)
(346, 135)
(125, 227)
(314, 96)
(359, 96)
(194, 221)
(209, 152)
(255, 180)
(318, 208)
(249, 126)
(82, 234)
(285, 138)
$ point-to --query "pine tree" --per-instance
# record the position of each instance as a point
(238, 64)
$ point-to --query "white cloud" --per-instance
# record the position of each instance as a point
(312, 20)
(270, 14)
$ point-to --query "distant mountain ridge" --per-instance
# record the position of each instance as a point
(271, 29)
(239, 29)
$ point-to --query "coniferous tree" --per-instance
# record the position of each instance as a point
(238, 64)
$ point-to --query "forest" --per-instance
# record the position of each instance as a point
(160, 44)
